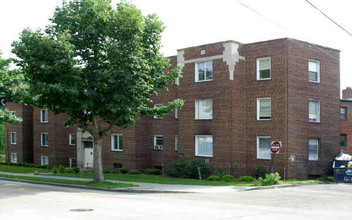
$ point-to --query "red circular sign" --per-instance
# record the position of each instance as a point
(275, 147)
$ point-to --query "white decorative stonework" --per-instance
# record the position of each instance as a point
(202, 52)
(231, 56)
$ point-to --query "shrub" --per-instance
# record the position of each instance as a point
(153, 171)
(326, 179)
(245, 179)
(123, 170)
(69, 170)
(260, 171)
(214, 178)
(188, 169)
(61, 169)
(135, 172)
(227, 178)
(75, 169)
(55, 170)
(270, 179)
(106, 171)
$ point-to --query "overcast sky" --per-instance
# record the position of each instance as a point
(196, 22)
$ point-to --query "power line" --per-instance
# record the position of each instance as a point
(261, 15)
(329, 18)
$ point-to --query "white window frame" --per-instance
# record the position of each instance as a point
(258, 154)
(318, 71)
(155, 116)
(70, 160)
(176, 143)
(258, 68)
(314, 157)
(318, 113)
(46, 114)
(196, 77)
(345, 113)
(197, 108)
(155, 140)
(197, 137)
(70, 139)
(119, 146)
(41, 139)
(12, 141)
(13, 157)
(46, 160)
(258, 109)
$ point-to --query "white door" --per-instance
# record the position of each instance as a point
(88, 154)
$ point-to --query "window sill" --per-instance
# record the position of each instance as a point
(13, 143)
(204, 156)
(117, 150)
(72, 144)
(316, 82)
(44, 145)
(203, 81)
(203, 119)
(263, 119)
(314, 122)
(263, 158)
(266, 79)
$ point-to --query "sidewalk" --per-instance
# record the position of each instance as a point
(142, 187)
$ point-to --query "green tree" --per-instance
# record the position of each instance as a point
(10, 82)
(99, 65)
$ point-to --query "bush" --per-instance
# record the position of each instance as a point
(123, 170)
(69, 170)
(227, 178)
(61, 169)
(260, 171)
(153, 171)
(270, 179)
(75, 169)
(214, 178)
(326, 179)
(135, 172)
(106, 171)
(188, 169)
(55, 170)
(246, 179)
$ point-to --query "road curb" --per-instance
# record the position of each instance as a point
(126, 190)
(272, 187)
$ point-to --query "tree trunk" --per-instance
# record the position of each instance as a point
(97, 156)
(97, 163)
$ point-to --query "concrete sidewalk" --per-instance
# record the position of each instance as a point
(144, 187)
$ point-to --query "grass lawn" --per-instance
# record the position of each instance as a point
(109, 185)
(17, 169)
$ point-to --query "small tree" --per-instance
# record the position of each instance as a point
(10, 80)
(99, 65)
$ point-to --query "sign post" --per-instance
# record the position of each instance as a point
(275, 148)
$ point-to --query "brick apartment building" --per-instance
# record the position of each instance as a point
(238, 98)
(346, 120)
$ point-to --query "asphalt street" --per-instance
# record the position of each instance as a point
(32, 201)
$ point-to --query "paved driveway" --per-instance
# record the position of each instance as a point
(31, 201)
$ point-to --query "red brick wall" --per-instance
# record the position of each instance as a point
(346, 126)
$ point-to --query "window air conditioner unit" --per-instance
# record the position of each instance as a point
(158, 147)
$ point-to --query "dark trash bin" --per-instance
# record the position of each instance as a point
(342, 171)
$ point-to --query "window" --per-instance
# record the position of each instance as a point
(13, 112)
(343, 113)
(116, 142)
(158, 142)
(176, 112)
(72, 139)
(314, 111)
(264, 68)
(44, 115)
(176, 143)
(204, 71)
(44, 139)
(44, 160)
(314, 71)
(343, 140)
(204, 109)
(313, 149)
(264, 109)
(263, 147)
(155, 116)
(204, 145)
(13, 157)
(13, 138)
